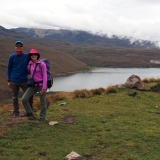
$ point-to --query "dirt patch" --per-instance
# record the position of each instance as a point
(10, 122)
(68, 120)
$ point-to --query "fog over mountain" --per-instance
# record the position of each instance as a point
(83, 37)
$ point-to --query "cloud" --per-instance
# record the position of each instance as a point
(138, 19)
(148, 1)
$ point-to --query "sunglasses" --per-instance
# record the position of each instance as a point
(34, 54)
(19, 46)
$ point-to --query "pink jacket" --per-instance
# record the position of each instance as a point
(40, 73)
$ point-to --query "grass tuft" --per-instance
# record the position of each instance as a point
(97, 91)
(82, 93)
(110, 89)
(150, 80)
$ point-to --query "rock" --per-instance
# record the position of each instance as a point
(64, 103)
(52, 123)
(134, 82)
(73, 156)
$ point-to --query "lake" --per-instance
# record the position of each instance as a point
(101, 77)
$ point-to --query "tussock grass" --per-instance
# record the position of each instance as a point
(60, 96)
(150, 80)
(97, 91)
(82, 93)
(110, 89)
(152, 84)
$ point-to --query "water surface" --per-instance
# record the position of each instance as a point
(101, 77)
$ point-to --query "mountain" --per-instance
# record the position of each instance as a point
(89, 49)
(7, 33)
(83, 37)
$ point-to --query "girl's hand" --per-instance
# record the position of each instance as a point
(42, 91)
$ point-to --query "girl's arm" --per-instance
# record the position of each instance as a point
(44, 74)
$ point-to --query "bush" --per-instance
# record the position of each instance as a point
(97, 91)
(110, 89)
(82, 93)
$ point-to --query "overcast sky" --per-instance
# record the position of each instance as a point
(139, 19)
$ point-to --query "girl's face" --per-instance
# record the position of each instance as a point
(34, 56)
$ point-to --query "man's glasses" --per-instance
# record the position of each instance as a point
(34, 54)
(19, 46)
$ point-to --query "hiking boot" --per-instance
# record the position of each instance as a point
(41, 119)
(14, 115)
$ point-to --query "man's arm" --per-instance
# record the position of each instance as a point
(9, 68)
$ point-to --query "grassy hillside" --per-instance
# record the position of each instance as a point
(112, 56)
(100, 124)
(99, 56)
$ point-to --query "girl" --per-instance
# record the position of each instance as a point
(37, 69)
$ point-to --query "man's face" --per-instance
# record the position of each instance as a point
(18, 48)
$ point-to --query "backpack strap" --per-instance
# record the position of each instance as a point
(40, 67)
(34, 70)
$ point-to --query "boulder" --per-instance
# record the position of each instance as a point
(134, 82)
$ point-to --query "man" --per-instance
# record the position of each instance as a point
(17, 75)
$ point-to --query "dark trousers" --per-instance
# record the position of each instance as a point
(31, 91)
(15, 92)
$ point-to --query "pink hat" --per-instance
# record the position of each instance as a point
(33, 51)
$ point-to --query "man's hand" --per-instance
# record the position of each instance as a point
(9, 84)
